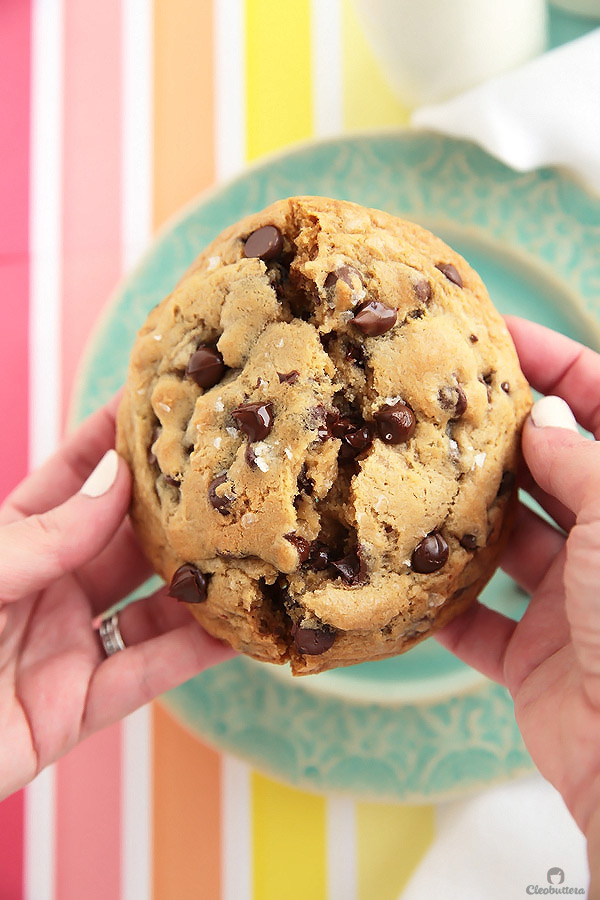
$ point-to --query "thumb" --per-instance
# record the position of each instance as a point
(37, 550)
(562, 461)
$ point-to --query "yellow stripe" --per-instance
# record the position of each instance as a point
(369, 102)
(289, 842)
(391, 843)
(278, 74)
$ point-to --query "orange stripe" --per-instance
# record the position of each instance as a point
(184, 161)
(91, 170)
(187, 817)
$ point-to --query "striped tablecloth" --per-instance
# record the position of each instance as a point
(114, 113)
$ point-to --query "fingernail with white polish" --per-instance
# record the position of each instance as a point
(553, 412)
(103, 477)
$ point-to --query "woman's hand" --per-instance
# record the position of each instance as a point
(67, 553)
(550, 660)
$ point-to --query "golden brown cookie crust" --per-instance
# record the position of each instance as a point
(381, 405)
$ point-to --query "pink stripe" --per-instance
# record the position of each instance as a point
(15, 50)
(88, 819)
(88, 828)
(92, 174)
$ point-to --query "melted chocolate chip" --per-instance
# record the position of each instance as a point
(396, 423)
(254, 419)
(250, 456)
(300, 543)
(205, 367)
(305, 484)
(188, 584)
(356, 355)
(505, 387)
(422, 291)
(319, 556)
(313, 641)
(289, 377)
(431, 554)
(221, 502)
(345, 274)
(265, 243)
(351, 567)
(473, 338)
(469, 542)
(507, 483)
(374, 318)
(451, 273)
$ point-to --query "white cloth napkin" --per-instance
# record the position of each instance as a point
(494, 845)
(544, 113)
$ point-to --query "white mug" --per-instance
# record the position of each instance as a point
(433, 49)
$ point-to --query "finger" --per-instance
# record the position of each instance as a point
(555, 364)
(131, 678)
(532, 547)
(117, 570)
(557, 511)
(38, 550)
(61, 475)
(480, 637)
(564, 464)
(582, 577)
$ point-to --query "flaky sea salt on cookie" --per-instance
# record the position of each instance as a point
(323, 423)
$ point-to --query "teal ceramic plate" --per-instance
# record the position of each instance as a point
(422, 726)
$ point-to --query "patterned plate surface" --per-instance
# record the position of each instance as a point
(423, 726)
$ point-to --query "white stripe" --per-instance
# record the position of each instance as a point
(136, 124)
(341, 849)
(45, 228)
(136, 806)
(230, 104)
(236, 837)
(44, 355)
(326, 41)
(136, 225)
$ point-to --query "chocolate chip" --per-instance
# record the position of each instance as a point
(374, 318)
(205, 367)
(422, 291)
(305, 484)
(300, 543)
(289, 378)
(319, 556)
(469, 542)
(473, 338)
(221, 502)
(431, 554)
(356, 355)
(254, 419)
(361, 438)
(351, 567)
(250, 456)
(313, 641)
(505, 387)
(396, 423)
(345, 274)
(451, 273)
(265, 243)
(188, 584)
(453, 398)
(507, 483)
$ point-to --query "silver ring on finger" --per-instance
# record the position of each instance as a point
(110, 635)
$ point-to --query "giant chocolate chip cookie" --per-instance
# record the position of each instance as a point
(323, 425)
